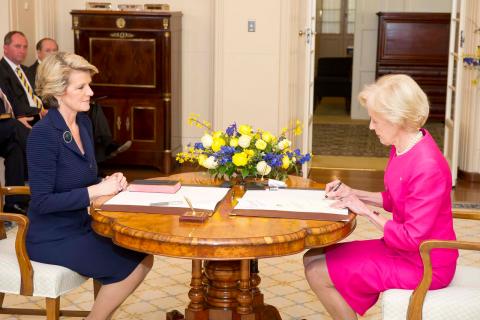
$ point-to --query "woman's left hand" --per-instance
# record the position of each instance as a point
(354, 204)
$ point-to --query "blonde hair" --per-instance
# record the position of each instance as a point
(398, 99)
(54, 72)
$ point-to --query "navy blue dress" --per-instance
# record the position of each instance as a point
(60, 231)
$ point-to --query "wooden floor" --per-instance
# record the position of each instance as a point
(370, 180)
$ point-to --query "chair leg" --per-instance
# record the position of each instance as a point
(2, 296)
(53, 308)
(96, 287)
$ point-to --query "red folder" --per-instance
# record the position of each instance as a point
(161, 186)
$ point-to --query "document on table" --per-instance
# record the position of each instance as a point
(203, 198)
(309, 202)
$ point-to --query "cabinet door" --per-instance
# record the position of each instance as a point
(147, 124)
(115, 111)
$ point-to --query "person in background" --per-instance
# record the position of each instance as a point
(45, 47)
(105, 146)
(19, 86)
(349, 277)
(12, 148)
(63, 182)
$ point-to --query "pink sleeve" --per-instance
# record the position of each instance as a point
(426, 196)
(386, 201)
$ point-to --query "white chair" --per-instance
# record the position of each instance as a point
(19, 275)
(459, 301)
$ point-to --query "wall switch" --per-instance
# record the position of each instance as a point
(252, 25)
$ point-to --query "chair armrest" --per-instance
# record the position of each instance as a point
(415, 306)
(26, 270)
(466, 214)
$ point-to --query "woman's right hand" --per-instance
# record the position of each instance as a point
(337, 190)
(111, 185)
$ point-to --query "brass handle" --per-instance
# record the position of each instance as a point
(119, 123)
(127, 123)
(301, 33)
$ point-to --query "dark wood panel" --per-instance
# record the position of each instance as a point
(416, 44)
(138, 55)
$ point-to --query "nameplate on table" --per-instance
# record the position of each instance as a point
(302, 204)
(202, 199)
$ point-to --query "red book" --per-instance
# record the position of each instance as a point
(162, 186)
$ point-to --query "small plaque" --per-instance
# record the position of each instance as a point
(194, 216)
(130, 7)
(156, 7)
(98, 6)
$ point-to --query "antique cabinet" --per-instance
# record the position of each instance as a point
(138, 55)
(416, 44)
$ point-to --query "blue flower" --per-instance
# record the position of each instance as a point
(232, 130)
(199, 146)
(305, 158)
(273, 160)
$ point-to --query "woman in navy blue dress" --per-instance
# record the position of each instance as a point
(63, 182)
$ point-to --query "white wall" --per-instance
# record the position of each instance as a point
(365, 41)
(4, 20)
(197, 53)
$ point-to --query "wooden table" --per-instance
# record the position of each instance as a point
(224, 250)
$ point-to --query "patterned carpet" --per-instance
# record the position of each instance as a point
(357, 140)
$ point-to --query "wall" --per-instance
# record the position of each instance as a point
(4, 20)
(247, 63)
(365, 41)
(197, 53)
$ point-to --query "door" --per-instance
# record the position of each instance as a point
(453, 106)
(303, 55)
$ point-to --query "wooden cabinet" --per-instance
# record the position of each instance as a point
(138, 55)
(416, 44)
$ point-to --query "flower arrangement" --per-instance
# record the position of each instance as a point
(241, 151)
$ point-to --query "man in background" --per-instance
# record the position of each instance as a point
(44, 47)
(18, 86)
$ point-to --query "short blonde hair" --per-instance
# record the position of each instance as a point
(54, 72)
(398, 99)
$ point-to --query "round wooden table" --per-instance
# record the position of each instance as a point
(224, 249)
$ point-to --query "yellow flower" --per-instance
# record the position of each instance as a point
(234, 142)
(217, 134)
(249, 152)
(245, 130)
(240, 159)
(260, 144)
(298, 128)
(201, 159)
(217, 144)
(267, 137)
(285, 162)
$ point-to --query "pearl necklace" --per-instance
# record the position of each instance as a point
(412, 143)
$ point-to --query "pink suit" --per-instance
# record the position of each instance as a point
(417, 193)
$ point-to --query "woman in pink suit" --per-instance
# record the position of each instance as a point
(349, 277)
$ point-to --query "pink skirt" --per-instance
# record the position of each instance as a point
(361, 270)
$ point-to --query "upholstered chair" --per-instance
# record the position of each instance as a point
(19, 275)
(459, 301)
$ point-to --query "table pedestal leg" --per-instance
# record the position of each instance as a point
(227, 290)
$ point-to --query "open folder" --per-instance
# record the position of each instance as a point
(304, 204)
(201, 198)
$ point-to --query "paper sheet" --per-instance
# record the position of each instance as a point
(294, 200)
(205, 198)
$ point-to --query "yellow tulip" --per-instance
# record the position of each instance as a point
(267, 137)
(217, 144)
(234, 142)
(201, 159)
(240, 159)
(285, 162)
(245, 129)
(260, 144)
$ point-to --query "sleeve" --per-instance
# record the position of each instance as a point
(387, 201)
(426, 194)
(42, 157)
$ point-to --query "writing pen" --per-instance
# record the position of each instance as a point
(166, 203)
(190, 205)
(335, 188)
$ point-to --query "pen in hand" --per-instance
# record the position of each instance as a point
(334, 188)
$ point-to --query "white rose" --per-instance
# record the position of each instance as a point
(263, 168)
(244, 141)
(210, 163)
(285, 143)
(207, 140)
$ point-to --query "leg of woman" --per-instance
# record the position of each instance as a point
(111, 296)
(319, 280)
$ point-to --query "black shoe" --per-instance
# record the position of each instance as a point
(119, 149)
(15, 208)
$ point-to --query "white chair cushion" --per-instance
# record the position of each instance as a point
(460, 300)
(49, 280)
